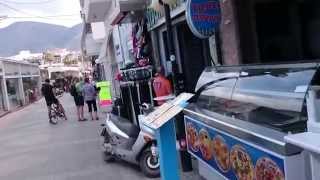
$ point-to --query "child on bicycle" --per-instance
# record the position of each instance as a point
(47, 92)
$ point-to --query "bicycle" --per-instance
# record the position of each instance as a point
(56, 113)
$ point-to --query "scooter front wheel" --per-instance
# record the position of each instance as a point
(108, 157)
(150, 165)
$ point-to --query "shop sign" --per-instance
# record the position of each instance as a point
(203, 17)
(104, 93)
(232, 157)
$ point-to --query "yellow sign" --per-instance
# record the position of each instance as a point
(104, 93)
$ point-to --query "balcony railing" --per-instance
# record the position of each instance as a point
(154, 16)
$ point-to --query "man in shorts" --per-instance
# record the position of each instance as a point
(47, 92)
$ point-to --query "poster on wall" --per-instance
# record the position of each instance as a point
(203, 17)
(232, 158)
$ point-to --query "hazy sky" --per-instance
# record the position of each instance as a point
(35, 8)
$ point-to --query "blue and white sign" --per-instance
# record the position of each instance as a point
(203, 17)
(231, 157)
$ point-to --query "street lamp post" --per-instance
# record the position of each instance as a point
(185, 157)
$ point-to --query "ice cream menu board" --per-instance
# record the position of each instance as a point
(231, 157)
(166, 111)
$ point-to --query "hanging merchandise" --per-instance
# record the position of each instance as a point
(135, 40)
(136, 34)
(143, 62)
(141, 43)
(140, 31)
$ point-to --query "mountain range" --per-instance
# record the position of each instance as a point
(38, 37)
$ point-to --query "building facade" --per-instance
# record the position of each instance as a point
(252, 31)
(20, 84)
(111, 40)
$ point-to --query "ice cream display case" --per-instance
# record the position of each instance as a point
(240, 115)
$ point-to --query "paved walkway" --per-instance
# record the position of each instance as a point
(31, 149)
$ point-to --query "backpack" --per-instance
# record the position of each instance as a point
(73, 91)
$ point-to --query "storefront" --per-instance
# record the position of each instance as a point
(125, 57)
(2, 105)
(129, 62)
(14, 93)
(31, 89)
(20, 84)
(30, 82)
(248, 33)
(2, 100)
(192, 53)
(13, 86)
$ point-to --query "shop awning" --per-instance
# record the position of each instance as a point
(63, 69)
(126, 10)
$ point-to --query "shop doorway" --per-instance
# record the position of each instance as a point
(30, 88)
(194, 54)
(13, 93)
(279, 31)
(2, 105)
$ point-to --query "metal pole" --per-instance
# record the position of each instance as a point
(170, 44)
(139, 96)
(150, 93)
(185, 158)
(133, 108)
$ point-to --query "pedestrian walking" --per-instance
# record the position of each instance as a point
(76, 92)
(90, 96)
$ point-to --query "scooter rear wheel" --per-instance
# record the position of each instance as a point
(149, 166)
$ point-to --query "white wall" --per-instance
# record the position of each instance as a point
(92, 46)
(98, 31)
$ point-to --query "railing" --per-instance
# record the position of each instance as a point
(153, 16)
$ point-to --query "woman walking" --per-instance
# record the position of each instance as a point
(90, 94)
(76, 92)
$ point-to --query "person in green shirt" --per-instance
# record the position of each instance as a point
(76, 92)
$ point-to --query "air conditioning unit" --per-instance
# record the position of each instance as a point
(126, 10)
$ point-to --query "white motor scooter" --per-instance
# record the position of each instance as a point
(124, 140)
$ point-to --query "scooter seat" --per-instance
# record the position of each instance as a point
(126, 126)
